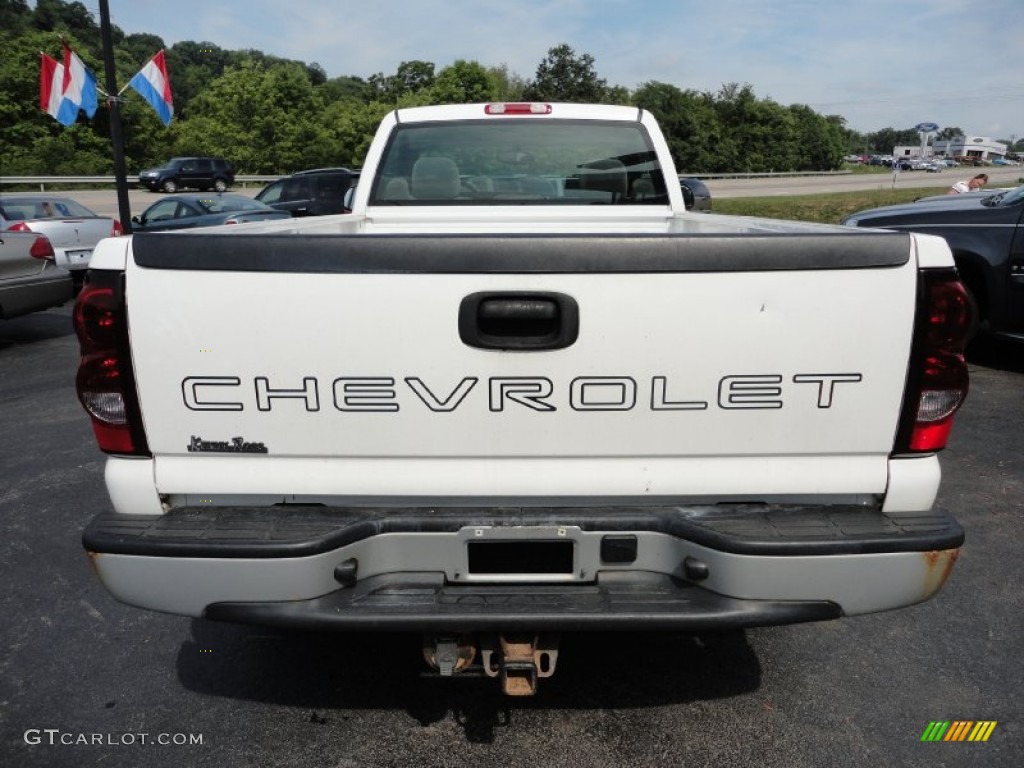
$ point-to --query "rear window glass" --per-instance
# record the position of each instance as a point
(13, 208)
(520, 162)
(222, 204)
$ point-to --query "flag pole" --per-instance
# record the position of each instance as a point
(116, 135)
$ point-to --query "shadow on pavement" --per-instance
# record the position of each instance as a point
(993, 352)
(331, 673)
(38, 326)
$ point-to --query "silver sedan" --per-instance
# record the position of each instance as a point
(71, 228)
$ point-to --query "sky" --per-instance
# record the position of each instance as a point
(877, 63)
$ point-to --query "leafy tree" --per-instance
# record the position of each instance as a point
(345, 89)
(58, 16)
(410, 78)
(14, 14)
(688, 120)
(464, 82)
(510, 86)
(564, 76)
(950, 132)
(885, 140)
(257, 116)
(317, 75)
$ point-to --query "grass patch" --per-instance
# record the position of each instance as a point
(829, 208)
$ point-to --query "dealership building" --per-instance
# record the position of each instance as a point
(972, 147)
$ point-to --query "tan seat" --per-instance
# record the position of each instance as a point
(396, 189)
(435, 178)
(643, 188)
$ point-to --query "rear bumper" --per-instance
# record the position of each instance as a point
(35, 294)
(425, 603)
(686, 568)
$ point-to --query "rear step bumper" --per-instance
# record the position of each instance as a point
(503, 569)
(424, 603)
(300, 531)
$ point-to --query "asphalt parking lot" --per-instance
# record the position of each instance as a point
(75, 665)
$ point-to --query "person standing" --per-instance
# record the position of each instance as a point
(969, 185)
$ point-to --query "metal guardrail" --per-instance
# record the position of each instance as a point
(42, 181)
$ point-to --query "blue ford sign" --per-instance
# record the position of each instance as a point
(926, 127)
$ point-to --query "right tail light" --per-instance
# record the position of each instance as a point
(937, 379)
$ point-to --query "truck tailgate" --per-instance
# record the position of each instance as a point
(701, 366)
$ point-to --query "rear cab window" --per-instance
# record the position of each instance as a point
(510, 162)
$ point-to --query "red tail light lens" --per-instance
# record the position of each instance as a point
(21, 226)
(105, 380)
(116, 230)
(937, 382)
(42, 249)
(527, 108)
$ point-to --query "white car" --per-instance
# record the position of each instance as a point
(71, 228)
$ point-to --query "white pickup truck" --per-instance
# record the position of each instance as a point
(520, 390)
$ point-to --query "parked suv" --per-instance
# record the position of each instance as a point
(197, 172)
(316, 192)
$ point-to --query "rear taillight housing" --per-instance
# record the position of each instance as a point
(21, 226)
(116, 230)
(520, 108)
(106, 381)
(42, 248)
(937, 379)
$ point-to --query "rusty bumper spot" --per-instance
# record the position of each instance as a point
(938, 565)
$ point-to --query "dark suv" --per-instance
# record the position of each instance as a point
(196, 172)
(317, 192)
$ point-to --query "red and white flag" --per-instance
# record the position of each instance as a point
(51, 85)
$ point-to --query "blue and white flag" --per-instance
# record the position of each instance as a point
(78, 89)
(154, 86)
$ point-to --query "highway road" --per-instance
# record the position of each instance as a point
(104, 202)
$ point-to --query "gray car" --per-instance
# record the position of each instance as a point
(202, 210)
(29, 279)
(985, 231)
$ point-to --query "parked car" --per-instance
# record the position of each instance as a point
(696, 194)
(986, 234)
(29, 279)
(72, 229)
(316, 192)
(202, 210)
(189, 172)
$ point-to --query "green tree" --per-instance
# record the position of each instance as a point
(15, 15)
(510, 86)
(58, 16)
(410, 78)
(464, 82)
(345, 89)
(565, 76)
(261, 118)
(885, 140)
(688, 120)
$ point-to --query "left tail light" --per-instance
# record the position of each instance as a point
(116, 230)
(21, 226)
(42, 248)
(106, 380)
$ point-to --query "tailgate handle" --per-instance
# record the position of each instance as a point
(530, 320)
